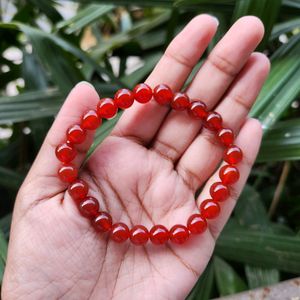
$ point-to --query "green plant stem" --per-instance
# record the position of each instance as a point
(281, 183)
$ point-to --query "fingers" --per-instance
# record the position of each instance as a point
(249, 140)
(83, 97)
(226, 60)
(142, 121)
(234, 108)
(210, 83)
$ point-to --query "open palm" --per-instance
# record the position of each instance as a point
(146, 172)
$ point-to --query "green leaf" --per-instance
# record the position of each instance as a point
(228, 281)
(10, 178)
(250, 210)
(137, 29)
(282, 142)
(29, 106)
(260, 248)
(3, 254)
(5, 225)
(267, 12)
(284, 27)
(84, 17)
(258, 277)
(52, 56)
(204, 286)
(103, 132)
(48, 8)
(39, 104)
(282, 85)
(32, 72)
(55, 41)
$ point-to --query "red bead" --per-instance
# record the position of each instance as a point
(159, 234)
(142, 93)
(139, 235)
(219, 191)
(102, 222)
(119, 232)
(107, 108)
(198, 110)
(90, 120)
(196, 224)
(226, 137)
(78, 190)
(179, 234)
(89, 207)
(229, 174)
(233, 155)
(67, 173)
(76, 135)
(209, 209)
(124, 98)
(213, 121)
(65, 153)
(162, 94)
(180, 102)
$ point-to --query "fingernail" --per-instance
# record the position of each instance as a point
(216, 19)
(85, 83)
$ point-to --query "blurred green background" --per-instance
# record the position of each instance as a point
(48, 46)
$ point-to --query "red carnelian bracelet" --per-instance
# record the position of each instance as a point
(139, 235)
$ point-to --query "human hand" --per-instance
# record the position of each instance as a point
(146, 172)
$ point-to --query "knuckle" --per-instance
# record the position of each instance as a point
(222, 64)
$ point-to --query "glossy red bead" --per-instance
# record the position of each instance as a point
(139, 235)
(159, 234)
(180, 101)
(196, 224)
(107, 108)
(229, 174)
(65, 153)
(162, 94)
(213, 121)
(78, 190)
(142, 93)
(209, 209)
(119, 232)
(76, 135)
(219, 191)
(198, 110)
(89, 207)
(226, 136)
(90, 120)
(67, 173)
(179, 234)
(124, 98)
(103, 222)
(233, 155)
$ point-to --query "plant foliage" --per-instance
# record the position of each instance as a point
(98, 43)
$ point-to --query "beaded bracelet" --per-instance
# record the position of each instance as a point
(139, 235)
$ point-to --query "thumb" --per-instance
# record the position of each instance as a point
(43, 173)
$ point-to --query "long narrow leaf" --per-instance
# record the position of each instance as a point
(260, 248)
(65, 45)
(282, 142)
(10, 178)
(228, 281)
(84, 17)
(3, 254)
(262, 9)
(203, 288)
